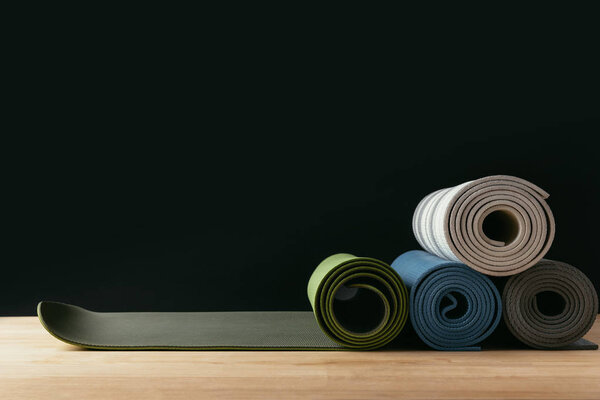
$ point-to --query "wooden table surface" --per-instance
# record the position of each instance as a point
(34, 365)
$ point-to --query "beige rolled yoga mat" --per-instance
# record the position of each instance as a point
(499, 225)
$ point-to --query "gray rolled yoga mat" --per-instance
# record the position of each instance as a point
(571, 315)
(358, 303)
(452, 307)
(499, 225)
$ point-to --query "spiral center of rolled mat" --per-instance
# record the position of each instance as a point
(359, 308)
(453, 305)
(550, 303)
(501, 226)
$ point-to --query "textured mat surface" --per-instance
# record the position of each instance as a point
(499, 225)
(358, 303)
(566, 322)
(452, 307)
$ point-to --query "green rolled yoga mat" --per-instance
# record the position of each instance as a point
(559, 325)
(358, 303)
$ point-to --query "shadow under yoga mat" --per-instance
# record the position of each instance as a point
(358, 303)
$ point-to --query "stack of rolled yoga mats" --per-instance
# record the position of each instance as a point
(498, 226)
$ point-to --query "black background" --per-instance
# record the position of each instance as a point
(202, 167)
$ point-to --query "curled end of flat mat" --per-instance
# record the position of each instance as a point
(550, 326)
(57, 319)
(359, 302)
(499, 225)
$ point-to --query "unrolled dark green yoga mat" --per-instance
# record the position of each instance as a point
(358, 303)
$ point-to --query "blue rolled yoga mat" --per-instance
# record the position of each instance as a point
(452, 307)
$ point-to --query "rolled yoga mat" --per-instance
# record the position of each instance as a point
(452, 307)
(559, 325)
(358, 303)
(499, 225)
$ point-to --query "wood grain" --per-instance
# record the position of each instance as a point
(34, 365)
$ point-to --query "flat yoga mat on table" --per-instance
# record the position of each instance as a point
(565, 321)
(358, 303)
(452, 307)
(499, 225)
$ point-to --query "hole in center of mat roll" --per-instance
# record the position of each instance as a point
(360, 313)
(501, 225)
(550, 303)
(453, 308)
